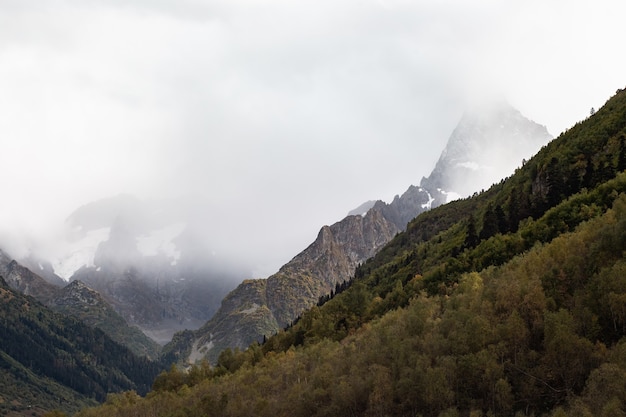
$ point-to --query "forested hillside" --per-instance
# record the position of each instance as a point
(509, 303)
(49, 360)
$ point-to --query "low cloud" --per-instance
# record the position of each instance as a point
(279, 117)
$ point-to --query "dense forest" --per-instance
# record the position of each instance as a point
(65, 362)
(508, 303)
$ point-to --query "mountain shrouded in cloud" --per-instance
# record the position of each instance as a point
(160, 265)
(260, 308)
(149, 259)
(489, 140)
(275, 114)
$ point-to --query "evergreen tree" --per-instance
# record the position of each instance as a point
(471, 239)
(556, 184)
(621, 158)
(503, 225)
(490, 223)
(513, 210)
(590, 174)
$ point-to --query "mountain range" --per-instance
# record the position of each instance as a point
(131, 262)
(509, 302)
(260, 308)
(146, 259)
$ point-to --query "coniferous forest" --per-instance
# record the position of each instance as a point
(508, 303)
(50, 360)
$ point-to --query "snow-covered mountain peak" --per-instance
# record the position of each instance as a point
(490, 140)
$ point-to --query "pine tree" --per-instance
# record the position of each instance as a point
(471, 240)
(589, 173)
(503, 225)
(621, 159)
(490, 223)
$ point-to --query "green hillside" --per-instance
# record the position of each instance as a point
(508, 303)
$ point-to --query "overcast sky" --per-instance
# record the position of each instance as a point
(282, 115)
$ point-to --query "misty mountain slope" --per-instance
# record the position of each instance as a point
(79, 301)
(488, 142)
(65, 350)
(86, 304)
(462, 314)
(148, 260)
(257, 308)
(25, 281)
(44, 269)
(338, 249)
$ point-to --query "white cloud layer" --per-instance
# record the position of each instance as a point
(282, 115)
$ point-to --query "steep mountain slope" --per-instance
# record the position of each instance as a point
(25, 393)
(465, 313)
(260, 308)
(144, 258)
(78, 301)
(24, 280)
(37, 344)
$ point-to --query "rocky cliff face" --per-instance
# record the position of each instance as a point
(487, 145)
(331, 259)
(263, 306)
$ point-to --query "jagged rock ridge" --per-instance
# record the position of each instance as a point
(262, 306)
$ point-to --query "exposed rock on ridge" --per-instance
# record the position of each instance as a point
(262, 306)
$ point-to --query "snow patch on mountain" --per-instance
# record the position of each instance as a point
(428, 205)
(160, 242)
(80, 253)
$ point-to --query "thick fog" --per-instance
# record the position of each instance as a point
(269, 119)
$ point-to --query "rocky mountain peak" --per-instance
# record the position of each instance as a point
(486, 146)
